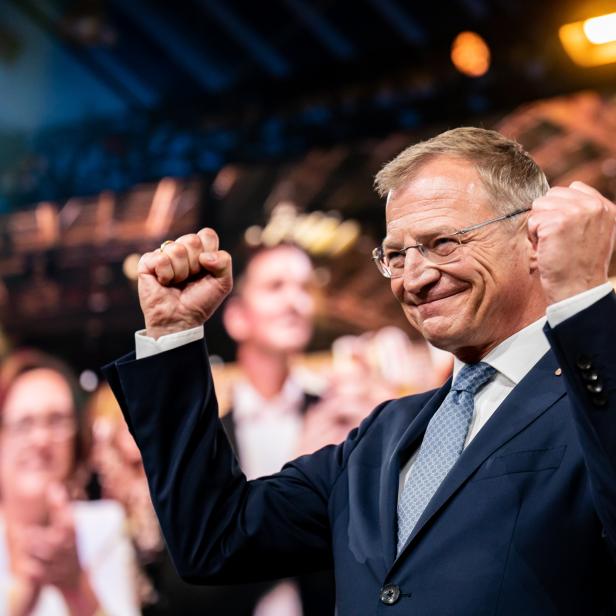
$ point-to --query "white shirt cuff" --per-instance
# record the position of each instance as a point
(145, 346)
(566, 308)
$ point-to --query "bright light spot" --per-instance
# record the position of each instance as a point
(224, 181)
(591, 42)
(129, 267)
(88, 380)
(470, 54)
(600, 30)
(252, 235)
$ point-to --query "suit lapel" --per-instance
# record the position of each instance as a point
(538, 391)
(390, 475)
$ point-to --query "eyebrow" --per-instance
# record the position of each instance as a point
(389, 242)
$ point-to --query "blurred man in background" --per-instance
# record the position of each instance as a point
(270, 317)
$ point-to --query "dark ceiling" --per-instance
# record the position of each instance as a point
(155, 88)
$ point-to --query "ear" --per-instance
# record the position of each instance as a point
(235, 320)
(531, 244)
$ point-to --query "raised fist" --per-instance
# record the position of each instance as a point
(573, 230)
(182, 283)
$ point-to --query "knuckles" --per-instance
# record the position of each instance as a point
(191, 240)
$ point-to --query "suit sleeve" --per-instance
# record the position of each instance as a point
(219, 527)
(585, 346)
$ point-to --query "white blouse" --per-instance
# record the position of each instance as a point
(105, 552)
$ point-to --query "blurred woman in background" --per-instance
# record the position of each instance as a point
(117, 462)
(58, 556)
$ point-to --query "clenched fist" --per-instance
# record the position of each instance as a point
(182, 284)
(573, 230)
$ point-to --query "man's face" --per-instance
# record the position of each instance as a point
(478, 300)
(276, 301)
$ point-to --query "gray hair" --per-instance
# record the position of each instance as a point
(509, 174)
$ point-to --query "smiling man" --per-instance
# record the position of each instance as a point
(466, 305)
(495, 494)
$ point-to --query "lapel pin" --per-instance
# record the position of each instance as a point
(558, 371)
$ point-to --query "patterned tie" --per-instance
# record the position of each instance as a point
(441, 447)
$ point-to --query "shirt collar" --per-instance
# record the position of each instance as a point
(247, 402)
(515, 356)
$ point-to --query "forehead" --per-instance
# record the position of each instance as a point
(281, 262)
(444, 192)
(38, 391)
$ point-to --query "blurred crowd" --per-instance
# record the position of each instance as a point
(78, 533)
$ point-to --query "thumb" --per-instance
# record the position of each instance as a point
(218, 264)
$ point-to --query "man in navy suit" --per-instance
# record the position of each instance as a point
(495, 494)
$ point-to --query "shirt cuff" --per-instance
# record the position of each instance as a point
(145, 346)
(566, 308)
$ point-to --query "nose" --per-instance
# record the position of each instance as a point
(300, 300)
(418, 272)
(40, 435)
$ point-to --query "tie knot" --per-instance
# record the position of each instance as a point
(473, 377)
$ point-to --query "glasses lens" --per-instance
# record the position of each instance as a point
(442, 248)
(58, 427)
(380, 262)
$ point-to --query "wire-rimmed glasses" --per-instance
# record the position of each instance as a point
(439, 249)
(59, 426)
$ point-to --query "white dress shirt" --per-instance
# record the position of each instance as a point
(267, 430)
(105, 552)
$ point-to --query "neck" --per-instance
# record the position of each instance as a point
(265, 370)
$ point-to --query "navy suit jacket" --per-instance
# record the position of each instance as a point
(524, 524)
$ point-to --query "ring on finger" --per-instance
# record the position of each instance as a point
(165, 243)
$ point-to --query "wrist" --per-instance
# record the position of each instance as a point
(158, 331)
(558, 293)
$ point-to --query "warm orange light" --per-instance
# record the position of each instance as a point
(470, 54)
(599, 30)
(591, 42)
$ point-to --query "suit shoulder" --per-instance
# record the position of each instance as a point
(412, 403)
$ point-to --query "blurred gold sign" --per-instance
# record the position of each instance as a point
(320, 234)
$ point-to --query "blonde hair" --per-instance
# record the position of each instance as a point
(511, 177)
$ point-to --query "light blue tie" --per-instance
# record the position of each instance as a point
(442, 445)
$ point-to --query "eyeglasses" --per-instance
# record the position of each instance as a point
(60, 427)
(440, 249)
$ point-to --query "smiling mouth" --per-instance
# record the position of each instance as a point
(433, 300)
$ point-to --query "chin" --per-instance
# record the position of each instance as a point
(293, 340)
(441, 332)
